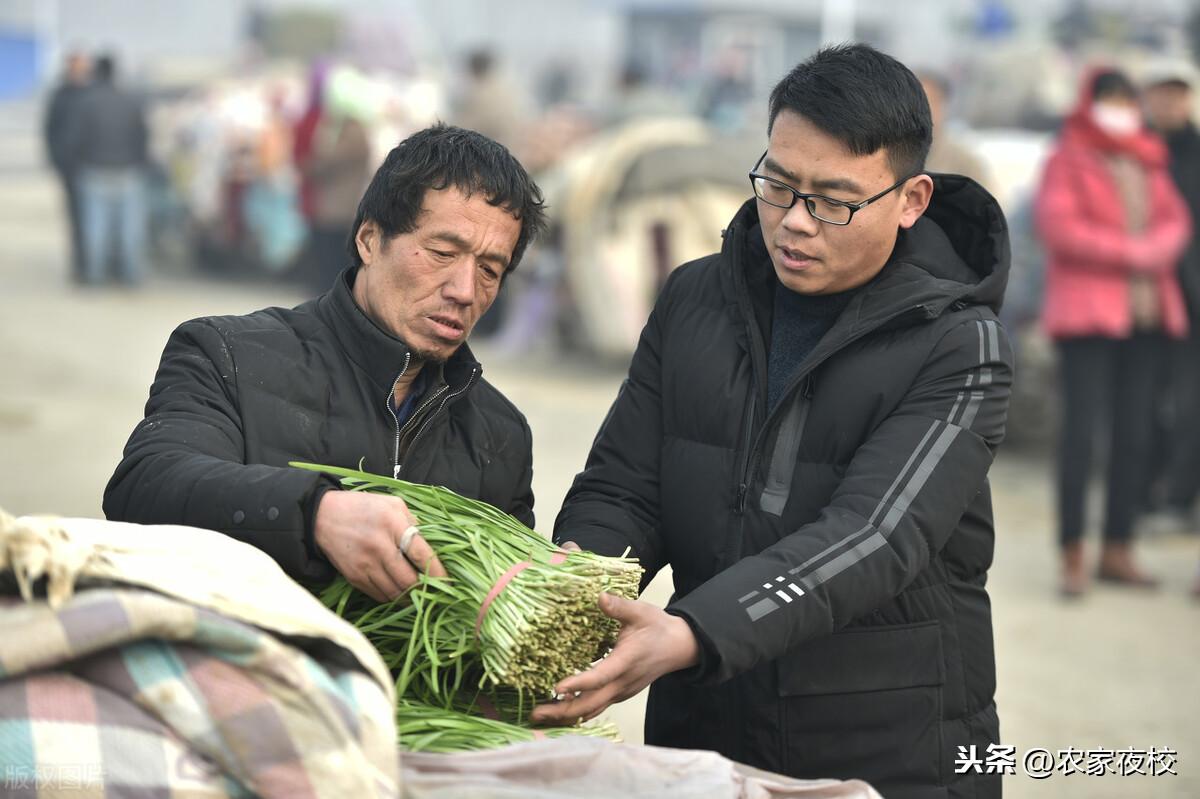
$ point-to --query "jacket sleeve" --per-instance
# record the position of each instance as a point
(1170, 224)
(614, 502)
(74, 123)
(53, 124)
(522, 503)
(901, 498)
(184, 463)
(1069, 234)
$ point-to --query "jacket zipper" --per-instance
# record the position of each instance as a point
(391, 408)
(758, 359)
(412, 420)
(804, 377)
(445, 399)
(748, 437)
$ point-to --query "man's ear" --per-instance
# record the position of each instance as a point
(368, 239)
(916, 196)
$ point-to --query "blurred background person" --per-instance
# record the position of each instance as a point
(490, 103)
(1114, 227)
(1167, 100)
(635, 97)
(107, 138)
(725, 101)
(948, 153)
(271, 204)
(304, 136)
(337, 169)
(57, 124)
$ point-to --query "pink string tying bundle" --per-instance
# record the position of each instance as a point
(505, 579)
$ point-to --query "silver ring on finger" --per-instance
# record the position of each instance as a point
(407, 537)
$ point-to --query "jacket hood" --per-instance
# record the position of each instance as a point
(957, 252)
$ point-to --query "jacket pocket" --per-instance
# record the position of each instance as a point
(866, 703)
(865, 659)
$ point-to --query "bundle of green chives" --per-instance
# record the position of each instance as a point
(432, 664)
(448, 677)
(444, 639)
(424, 728)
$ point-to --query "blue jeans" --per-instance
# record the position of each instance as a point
(113, 204)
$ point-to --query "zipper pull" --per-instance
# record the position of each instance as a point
(740, 503)
(396, 472)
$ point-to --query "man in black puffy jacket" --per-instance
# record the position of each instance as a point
(375, 372)
(804, 437)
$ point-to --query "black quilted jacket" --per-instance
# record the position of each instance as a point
(238, 397)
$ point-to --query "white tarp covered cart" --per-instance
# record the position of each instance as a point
(633, 204)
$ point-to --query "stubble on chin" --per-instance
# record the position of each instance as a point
(427, 357)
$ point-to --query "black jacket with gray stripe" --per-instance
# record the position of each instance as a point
(831, 555)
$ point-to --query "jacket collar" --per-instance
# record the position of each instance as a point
(375, 351)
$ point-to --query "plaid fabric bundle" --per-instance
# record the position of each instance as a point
(128, 693)
(114, 691)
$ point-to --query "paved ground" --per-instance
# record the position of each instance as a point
(1115, 671)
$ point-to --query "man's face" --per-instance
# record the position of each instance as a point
(1168, 106)
(429, 287)
(79, 68)
(814, 257)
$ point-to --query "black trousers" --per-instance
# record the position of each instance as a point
(1108, 402)
(1183, 465)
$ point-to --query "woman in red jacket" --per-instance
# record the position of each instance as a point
(1114, 227)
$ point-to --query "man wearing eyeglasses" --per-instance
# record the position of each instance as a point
(804, 437)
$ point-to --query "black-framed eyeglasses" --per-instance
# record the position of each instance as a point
(826, 209)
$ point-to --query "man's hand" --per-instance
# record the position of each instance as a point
(652, 643)
(360, 533)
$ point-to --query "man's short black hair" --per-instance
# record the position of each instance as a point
(440, 157)
(863, 98)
